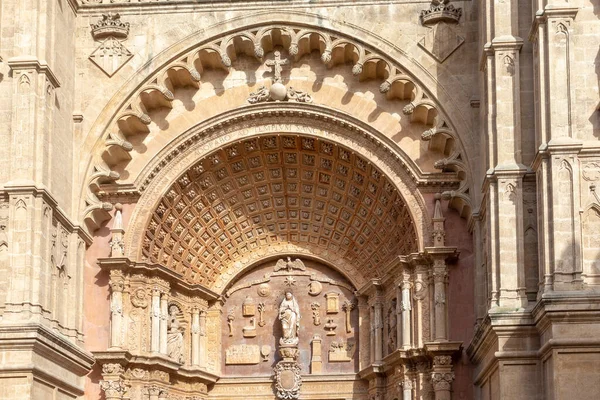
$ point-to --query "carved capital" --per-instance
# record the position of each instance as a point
(442, 360)
(113, 389)
(112, 369)
(442, 381)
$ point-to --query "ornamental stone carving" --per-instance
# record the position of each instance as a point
(114, 389)
(110, 25)
(288, 265)
(442, 381)
(111, 55)
(288, 380)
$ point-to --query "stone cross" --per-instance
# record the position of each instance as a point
(277, 63)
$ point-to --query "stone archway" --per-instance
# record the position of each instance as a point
(211, 197)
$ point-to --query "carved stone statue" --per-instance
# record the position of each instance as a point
(289, 315)
(392, 330)
(174, 336)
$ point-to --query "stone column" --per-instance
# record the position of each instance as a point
(155, 335)
(195, 336)
(364, 332)
(155, 392)
(406, 312)
(407, 388)
(112, 383)
(116, 308)
(421, 306)
(442, 377)
(439, 254)
(440, 273)
(163, 326)
(399, 320)
(202, 341)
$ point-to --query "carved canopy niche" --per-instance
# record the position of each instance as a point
(277, 189)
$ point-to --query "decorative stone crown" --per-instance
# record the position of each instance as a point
(110, 25)
(441, 11)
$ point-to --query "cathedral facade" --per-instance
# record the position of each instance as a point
(324, 200)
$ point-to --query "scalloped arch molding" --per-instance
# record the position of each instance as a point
(130, 112)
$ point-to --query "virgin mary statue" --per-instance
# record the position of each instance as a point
(289, 315)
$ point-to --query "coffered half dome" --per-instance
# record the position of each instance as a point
(269, 190)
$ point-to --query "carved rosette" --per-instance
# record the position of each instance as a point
(287, 380)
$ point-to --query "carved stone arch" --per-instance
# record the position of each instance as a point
(178, 64)
(202, 141)
(215, 133)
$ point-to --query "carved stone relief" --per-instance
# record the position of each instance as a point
(111, 55)
(442, 38)
(341, 351)
(243, 354)
(291, 317)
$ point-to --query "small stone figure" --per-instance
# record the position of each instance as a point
(174, 336)
(230, 318)
(392, 323)
(330, 327)
(316, 313)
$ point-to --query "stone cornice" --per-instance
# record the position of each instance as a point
(371, 287)
(47, 343)
(87, 7)
(13, 189)
(149, 269)
(160, 361)
(32, 63)
(566, 307)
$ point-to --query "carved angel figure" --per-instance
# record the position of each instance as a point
(174, 336)
(290, 265)
(289, 315)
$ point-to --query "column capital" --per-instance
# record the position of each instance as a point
(442, 380)
(113, 389)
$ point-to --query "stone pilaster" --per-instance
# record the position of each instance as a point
(155, 321)
(195, 317)
(557, 162)
(163, 325)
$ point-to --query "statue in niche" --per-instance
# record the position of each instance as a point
(174, 336)
(289, 315)
(392, 323)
